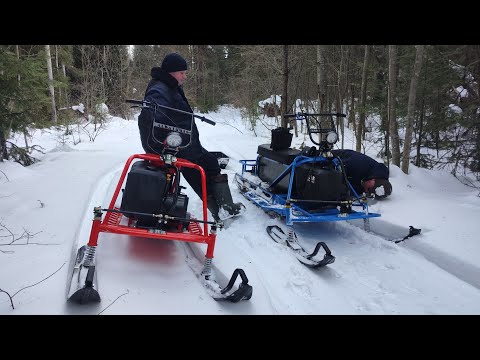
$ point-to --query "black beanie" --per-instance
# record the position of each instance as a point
(173, 62)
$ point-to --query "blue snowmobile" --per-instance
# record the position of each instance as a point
(308, 185)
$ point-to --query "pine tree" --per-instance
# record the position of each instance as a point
(24, 101)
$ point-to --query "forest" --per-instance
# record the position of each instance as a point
(420, 102)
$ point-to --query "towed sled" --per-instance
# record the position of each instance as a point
(308, 185)
(155, 207)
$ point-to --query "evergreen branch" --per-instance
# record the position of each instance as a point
(10, 297)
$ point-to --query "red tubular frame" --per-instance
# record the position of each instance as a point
(99, 226)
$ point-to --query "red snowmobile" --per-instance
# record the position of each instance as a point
(155, 207)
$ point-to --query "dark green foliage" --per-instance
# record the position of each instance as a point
(242, 75)
(142, 62)
(144, 58)
(446, 129)
(24, 98)
(100, 74)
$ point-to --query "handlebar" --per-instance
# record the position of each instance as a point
(204, 119)
(314, 114)
(137, 102)
(149, 104)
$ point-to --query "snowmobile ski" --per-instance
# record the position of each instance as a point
(83, 285)
(279, 236)
(207, 273)
(388, 231)
(412, 232)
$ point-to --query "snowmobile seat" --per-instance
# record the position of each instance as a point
(285, 156)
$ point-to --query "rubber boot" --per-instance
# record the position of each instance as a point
(213, 207)
(223, 196)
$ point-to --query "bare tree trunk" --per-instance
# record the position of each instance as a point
(57, 64)
(322, 88)
(422, 115)
(351, 115)
(103, 68)
(420, 134)
(285, 86)
(392, 120)
(321, 78)
(64, 95)
(3, 146)
(340, 122)
(196, 50)
(411, 107)
(56, 56)
(363, 100)
(17, 50)
(25, 139)
(50, 83)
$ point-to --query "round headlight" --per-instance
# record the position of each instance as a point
(174, 139)
(332, 137)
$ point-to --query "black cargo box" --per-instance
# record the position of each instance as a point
(144, 191)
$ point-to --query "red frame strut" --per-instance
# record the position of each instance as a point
(109, 226)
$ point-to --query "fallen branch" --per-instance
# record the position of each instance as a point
(5, 175)
(10, 297)
(224, 123)
(25, 233)
(113, 302)
(26, 287)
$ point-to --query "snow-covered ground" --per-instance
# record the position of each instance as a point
(51, 204)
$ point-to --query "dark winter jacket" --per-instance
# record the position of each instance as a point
(360, 167)
(163, 89)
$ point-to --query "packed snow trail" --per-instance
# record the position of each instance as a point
(146, 276)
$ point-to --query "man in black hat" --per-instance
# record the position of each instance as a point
(165, 88)
(365, 174)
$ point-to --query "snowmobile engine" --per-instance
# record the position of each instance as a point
(146, 192)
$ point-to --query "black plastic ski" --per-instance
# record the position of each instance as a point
(277, 234)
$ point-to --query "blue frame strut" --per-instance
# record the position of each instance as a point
(281, 203)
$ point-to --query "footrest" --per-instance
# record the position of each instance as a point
(244, 291)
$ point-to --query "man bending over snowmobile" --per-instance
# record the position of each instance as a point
(365, 174)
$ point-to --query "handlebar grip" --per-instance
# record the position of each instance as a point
(136, 102)
(208, 121)
(340, 115)
(289, 115)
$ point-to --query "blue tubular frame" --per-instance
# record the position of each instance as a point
(282, 204)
